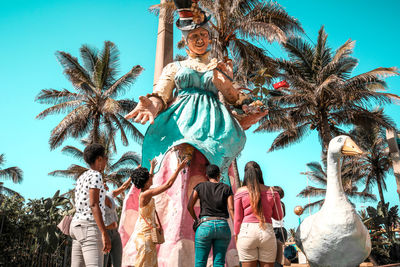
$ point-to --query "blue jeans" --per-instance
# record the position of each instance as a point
(215, 233)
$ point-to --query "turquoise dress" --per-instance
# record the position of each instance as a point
(198, 118)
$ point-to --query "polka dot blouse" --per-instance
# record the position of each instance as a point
(89, 179)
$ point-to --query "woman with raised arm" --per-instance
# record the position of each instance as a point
(255, 205)
(143, 180)
(187, 120)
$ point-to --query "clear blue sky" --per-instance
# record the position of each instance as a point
(32, 31)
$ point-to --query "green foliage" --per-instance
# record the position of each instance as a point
(94, 106)
(322, 95)
(29, 233)
(260, 81)
(382, 221)
(376, 162)
(14, 174)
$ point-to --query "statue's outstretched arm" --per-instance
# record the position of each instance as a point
(151, 105)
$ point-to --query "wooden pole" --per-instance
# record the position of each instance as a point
(394, 155)
(164, 49)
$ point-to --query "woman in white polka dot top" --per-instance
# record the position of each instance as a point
(88, 232)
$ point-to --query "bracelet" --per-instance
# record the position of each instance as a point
(158, 97)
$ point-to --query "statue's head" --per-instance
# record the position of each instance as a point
(344, 145)
(193, 23)
(197, 40)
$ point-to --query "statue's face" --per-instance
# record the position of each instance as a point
(198, 40)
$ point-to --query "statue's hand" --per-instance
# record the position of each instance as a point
(223, 81)
(223, 75)
(251, 116)
(146, 110)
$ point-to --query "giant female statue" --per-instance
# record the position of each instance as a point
(187, 119)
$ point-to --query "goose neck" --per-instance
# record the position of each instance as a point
(334, 188)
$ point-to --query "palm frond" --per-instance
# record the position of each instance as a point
(131, 129)
(123, 82)
(52, 96)
(77, 117)
(166, 9)
(73, 151)
(131, 159)
(268, 20)
(363, 196)
(74, 71)
(9, 192)
(300, 52)
(105, 68)
(371, 77)
(89, 57)
(311, 191)
(343, 51)
(58, 108)
(288, 137)
(126, 105)
(121, 128)
(15, 174)
(73, 171)
(314, 205)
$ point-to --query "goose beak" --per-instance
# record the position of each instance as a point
(350, 148)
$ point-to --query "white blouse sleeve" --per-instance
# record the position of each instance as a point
(166, 82)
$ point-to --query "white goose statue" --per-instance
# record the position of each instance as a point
(335, 236)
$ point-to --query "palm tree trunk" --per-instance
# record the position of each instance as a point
(324, 131)
(95, 130)
(378, 182)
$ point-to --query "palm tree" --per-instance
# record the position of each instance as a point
(236, 25)
(115, 172)
(376, 162)
(15, 174)
(93, 107)
(322, 95)
(352, 174)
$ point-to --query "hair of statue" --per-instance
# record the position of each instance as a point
(252, 178)
(140, 176)
(92, 152)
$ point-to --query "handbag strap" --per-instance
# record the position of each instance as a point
(159, 223)
(277, 212)
(158, 219)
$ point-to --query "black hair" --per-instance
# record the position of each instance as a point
(212, 171)
(92, 152)
(140, 176)
(279, 190)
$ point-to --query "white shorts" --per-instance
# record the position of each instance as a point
(255, 243)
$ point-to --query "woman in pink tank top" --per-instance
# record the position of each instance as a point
(255, 205)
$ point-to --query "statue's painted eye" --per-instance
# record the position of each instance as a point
(339, 139)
